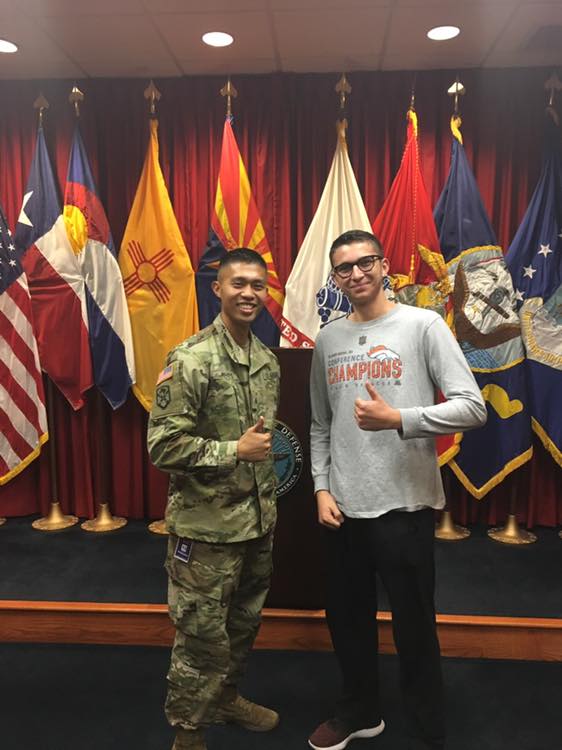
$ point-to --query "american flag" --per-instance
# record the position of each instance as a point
(23, 419)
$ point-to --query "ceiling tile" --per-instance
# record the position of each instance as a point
(342, 5)
(73, 38)
(251, 32)
(100, 47)
(58, 8)
(232, 67)
(185, 7)
(515, 46)
(305, 32)
(330, 64)
(454, 4)
(38, 56)
(409, 48)
(39, 68)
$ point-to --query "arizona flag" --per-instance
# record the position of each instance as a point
(23, 420)
(487, 329)
(535, 262)
(111, 339)
(406, 228)
(236, 223)
(56, 285)
(312, 298)
(157, 275)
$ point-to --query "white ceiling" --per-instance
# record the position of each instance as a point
(157, 38)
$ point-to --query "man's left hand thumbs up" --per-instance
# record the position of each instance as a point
(374, 413)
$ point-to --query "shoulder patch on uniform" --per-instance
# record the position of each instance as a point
(166, 374)
(163, 396)
(169, 399)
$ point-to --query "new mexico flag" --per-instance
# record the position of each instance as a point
(157, 274)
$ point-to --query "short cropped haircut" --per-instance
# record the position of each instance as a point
(242, 255)
(355, 235)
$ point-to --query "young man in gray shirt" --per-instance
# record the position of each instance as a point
(374, 379)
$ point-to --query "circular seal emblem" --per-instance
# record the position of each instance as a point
(288, 458)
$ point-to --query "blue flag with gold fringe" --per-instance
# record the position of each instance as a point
(487, 328)
(535, 261)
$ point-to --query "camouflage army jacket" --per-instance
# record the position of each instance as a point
(210, 392)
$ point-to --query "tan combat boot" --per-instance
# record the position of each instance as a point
(233, 709)
(189, 739)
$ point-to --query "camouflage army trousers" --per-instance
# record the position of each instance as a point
(215, 601)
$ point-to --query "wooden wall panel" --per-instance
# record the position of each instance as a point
(298, 630)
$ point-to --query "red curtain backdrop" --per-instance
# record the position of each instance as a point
(284, 124)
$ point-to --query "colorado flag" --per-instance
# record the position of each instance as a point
(111, 341)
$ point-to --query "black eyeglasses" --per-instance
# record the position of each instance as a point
(366, 263)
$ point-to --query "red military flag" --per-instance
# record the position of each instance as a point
(406, 228)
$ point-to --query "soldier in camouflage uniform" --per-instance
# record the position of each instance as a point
(210, 427)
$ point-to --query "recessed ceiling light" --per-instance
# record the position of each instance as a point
(217, 39)
(7, 47)
(440, 33)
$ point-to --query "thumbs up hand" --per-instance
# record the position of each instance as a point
(255, 443)
(374, 413)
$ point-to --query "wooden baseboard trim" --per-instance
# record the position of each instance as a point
(467, 636)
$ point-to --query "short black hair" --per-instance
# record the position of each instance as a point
(242, 255)
(355, 235)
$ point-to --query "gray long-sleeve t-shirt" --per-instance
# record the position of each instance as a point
(408, 354)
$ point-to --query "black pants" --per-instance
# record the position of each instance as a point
(399, 547)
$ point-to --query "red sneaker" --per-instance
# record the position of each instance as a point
(336, 734)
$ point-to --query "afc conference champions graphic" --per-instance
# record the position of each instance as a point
(287, 455)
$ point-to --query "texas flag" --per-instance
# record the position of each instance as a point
(55, 282)
(111, 340)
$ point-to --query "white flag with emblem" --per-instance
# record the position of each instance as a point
(311, 297)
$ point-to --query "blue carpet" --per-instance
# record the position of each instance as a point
(476, 576)
(110, 698)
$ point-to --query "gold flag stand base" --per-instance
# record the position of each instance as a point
(448, 531)
(511, 533)
(2, 521)
(55, 521)
(158, 527)
(104, 521)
